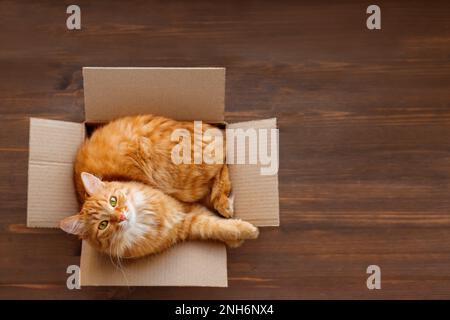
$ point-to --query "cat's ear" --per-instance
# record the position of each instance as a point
(72, 224)
(91, 183)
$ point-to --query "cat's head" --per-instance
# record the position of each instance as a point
(108, 219)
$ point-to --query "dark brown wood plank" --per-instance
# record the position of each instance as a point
(364, 121)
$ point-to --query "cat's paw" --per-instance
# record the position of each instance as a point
(247, 230)
(226, 206)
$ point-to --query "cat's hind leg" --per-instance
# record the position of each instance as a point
(202, 224)
(221, 197)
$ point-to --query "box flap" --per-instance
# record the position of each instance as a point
(177, 93)
(186, 264)
(256, 195)
(51, 194)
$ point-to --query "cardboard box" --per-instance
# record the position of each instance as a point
(178, 93)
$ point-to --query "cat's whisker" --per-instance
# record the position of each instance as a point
(111, 258)
(118, 265)
(119, 262)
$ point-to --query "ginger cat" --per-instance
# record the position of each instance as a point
(138, 148)
(132, 219)
(147, 203)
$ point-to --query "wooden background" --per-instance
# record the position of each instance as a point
(364, 121)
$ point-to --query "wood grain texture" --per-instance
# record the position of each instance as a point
(364, 121)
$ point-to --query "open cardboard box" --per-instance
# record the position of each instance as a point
(178, 93)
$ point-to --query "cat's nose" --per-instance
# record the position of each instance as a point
(122, 217)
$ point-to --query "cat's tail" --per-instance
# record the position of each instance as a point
(201, 224)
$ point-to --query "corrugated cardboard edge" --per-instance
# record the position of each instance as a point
(51, 193)
(163, 269)
(256, 196)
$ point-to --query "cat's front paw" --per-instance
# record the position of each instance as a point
(247, 230)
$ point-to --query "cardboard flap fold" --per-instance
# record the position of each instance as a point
(256, 195)
(185, 264)
(51, 195)
(177, 93)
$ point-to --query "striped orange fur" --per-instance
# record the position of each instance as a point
(138, 148)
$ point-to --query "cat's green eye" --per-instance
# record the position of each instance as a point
(113, 201)
(102, 225)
